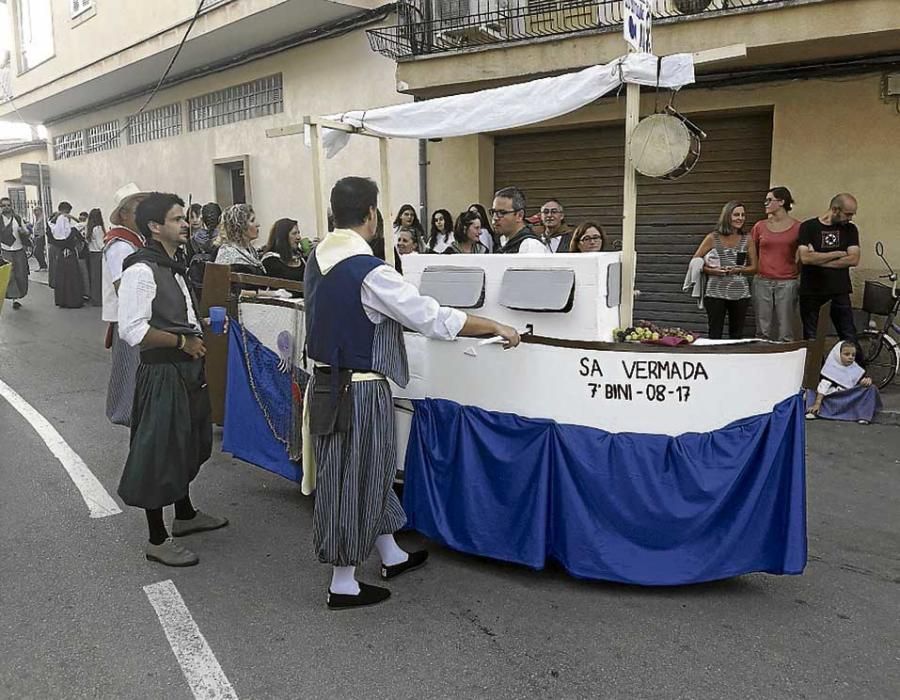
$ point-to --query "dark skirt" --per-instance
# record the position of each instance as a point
(171, 434)
(18, 278)
(95, 267)
(69, 290)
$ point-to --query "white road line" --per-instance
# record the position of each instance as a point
(197, 661)
(98, 500)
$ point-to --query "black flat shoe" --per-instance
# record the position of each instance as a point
(415, 561)
(368, 595)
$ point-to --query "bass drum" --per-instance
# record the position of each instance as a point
(665, 147)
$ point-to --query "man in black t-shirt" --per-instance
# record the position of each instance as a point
(828, 248)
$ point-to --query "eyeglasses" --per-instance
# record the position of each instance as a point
(769, 200)
(500, 213)
(588, 239)
(548, 212)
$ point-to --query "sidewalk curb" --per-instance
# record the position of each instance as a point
(887, 418)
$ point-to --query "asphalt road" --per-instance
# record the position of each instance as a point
(75, 622)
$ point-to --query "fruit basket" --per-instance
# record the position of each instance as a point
(646, 332)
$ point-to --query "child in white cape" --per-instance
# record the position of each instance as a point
(844, 392)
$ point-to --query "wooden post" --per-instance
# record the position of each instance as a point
(216, 292)
(629, 207)
(386, 201)
(315, 142)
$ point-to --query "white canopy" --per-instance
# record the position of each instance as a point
(511, 106)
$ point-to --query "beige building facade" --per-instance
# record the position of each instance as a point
(247, 66)
(813, 106)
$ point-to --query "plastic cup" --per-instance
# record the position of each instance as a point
(217, 319)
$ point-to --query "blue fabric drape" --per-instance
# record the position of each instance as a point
(635, 508)
(246, 434)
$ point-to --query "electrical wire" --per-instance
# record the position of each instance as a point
(159, 82)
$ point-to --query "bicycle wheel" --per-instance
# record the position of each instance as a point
(879, 357)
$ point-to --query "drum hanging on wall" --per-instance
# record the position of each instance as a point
(665, 146)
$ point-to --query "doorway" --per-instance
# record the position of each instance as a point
(232, 180)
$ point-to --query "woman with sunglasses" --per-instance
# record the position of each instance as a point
(775, 289)
(589, 237)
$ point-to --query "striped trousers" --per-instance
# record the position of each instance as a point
(355, 501)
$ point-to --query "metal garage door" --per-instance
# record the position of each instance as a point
(584, 168)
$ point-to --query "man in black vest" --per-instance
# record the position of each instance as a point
(14, 242)
(508, 216)
(171, 431)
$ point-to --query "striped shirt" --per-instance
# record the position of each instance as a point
(730, 287)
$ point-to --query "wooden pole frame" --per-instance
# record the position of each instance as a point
(629, 203)
(315, 125)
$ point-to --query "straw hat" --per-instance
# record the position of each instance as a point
(123, 197)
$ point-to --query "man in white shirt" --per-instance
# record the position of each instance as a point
(13, 237)
(171, 432)
(356, 310)
(120, 241)
(508, 217)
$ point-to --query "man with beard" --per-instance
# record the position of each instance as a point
(828, 248)
(557, 234)
(171, 431)
(120, 241)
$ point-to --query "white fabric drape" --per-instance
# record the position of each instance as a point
(510, 106)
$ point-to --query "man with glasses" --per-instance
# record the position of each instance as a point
(828, 248)
(508, 218)
(557, 235)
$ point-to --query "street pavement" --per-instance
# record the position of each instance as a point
(76, 623)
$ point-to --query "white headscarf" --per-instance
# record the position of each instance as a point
(838, 373)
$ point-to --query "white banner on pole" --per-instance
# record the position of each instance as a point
(637, 18)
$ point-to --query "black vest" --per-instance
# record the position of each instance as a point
(514, 243)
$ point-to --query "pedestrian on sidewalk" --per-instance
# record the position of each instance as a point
(39, 235)
(171, 428)
(120, 241)
(14, 239)
(829, 247)
(356, 309)
(94, 233)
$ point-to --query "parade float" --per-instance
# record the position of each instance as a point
(645, 463)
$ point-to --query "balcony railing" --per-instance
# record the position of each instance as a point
(435, 26)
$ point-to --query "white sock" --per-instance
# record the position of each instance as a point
(390, 551)
(343, 580)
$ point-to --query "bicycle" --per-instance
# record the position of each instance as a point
(880, 352)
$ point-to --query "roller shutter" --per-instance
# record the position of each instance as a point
(584, 168)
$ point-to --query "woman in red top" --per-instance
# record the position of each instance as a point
(777, 282)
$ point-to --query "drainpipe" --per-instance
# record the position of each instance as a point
(423, 185)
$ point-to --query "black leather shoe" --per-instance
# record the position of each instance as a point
(415, 561)
(368, 595)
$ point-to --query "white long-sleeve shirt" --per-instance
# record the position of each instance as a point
(137, 290)
(384, 292)
(61, 228)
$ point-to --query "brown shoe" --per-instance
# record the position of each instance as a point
(171, 553)
(199, 523)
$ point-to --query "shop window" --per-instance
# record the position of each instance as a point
(538, 289)
(459, 287)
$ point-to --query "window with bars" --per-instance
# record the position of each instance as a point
(258, 98)
(79, 6)
(18, 200)
(68, 145)
(102, 137)
(159, 123)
